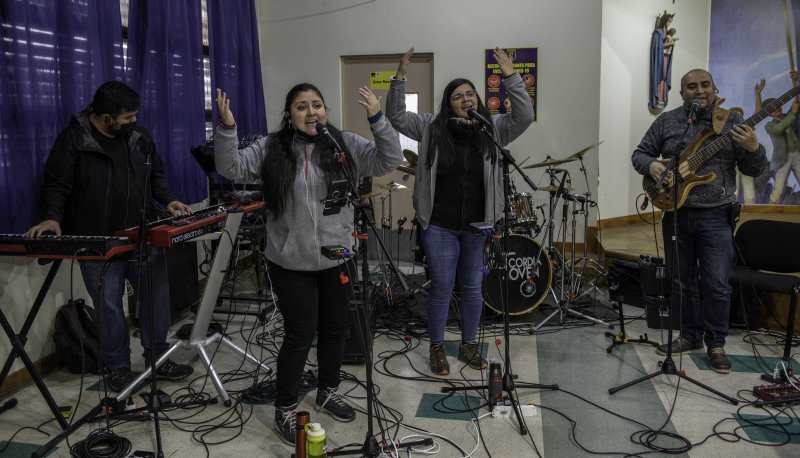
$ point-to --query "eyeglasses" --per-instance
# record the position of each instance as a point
(461, 96)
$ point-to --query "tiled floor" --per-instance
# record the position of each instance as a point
(579, 419)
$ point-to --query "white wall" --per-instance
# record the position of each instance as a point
(302, 40)
(624, 86)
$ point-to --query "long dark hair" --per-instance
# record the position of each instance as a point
(441, 139)
(279, 167)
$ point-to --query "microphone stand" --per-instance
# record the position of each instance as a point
(144, 255)
(509, 385)
(363, 217)
(668, 365)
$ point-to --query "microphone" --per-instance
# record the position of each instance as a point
(322, 129)
(693, 112)
(400, 223)
(479, 117)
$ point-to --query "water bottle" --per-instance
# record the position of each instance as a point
(495, 384)
(315, 441)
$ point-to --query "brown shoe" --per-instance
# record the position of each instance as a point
(438, 359)
(718, 361)
(679, 345)
(470, 353)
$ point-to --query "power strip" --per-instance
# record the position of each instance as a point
(528, 410)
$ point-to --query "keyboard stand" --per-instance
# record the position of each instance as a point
(18, 345)
(198, 338)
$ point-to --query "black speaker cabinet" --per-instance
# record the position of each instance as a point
(184, 290)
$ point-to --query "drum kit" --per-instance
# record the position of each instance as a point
(534, 269)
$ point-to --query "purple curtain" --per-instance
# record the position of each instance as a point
(235, 62)
(52, 57)
(165, 64)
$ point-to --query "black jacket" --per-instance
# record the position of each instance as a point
(78, 179)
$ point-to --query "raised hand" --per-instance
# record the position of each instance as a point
(402, 68)
(370, 102)
(760, 86)
(224, 105)
(505, 62)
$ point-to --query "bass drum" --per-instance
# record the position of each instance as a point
(529, 275)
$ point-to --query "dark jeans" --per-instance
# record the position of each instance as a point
(312, 303)
(705, 260)
(107, 299)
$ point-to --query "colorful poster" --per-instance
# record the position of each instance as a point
(525, 63)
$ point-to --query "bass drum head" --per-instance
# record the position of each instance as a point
(529, 275)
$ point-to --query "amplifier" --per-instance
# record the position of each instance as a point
(657, 313)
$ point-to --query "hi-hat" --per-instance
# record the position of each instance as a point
(550, 162)
(392, 186)
(411, 157)
(407, 169)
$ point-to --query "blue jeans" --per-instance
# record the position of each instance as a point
(107, 295)
(705, 260)
(448, 252)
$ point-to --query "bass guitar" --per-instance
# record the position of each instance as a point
(696, 154)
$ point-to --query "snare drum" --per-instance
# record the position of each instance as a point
(522, 209)
(529, 275)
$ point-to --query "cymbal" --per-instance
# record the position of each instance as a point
(549, 162)
(407, 169)
(581, 153)
(411, 157)
(370, 195)
(552, 188)
(392, 186)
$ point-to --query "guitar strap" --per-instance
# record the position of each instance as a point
(721, 115)
(718, 119)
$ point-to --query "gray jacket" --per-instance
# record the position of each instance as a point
(294, 239)
(507, 127)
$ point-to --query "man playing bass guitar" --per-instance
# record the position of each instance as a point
(705, 213)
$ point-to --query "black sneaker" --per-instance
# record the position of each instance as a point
(679, 345)
(120, 378)
(171, 370)
(286, 423)
(718, 361)
(330, 401)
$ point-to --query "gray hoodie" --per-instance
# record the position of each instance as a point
(507, 127)
(294, 239)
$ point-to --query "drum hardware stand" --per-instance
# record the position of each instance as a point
(508, 376)
(586, 203)
(259, 296)
(566, 299)
(386, 283)
(668, 367)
